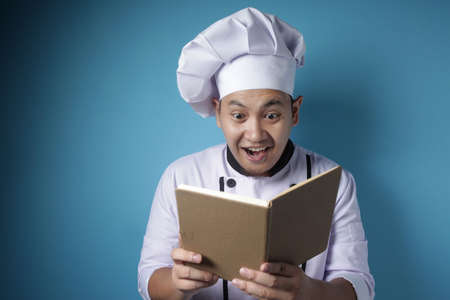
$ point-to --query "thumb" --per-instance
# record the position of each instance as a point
(180, 240)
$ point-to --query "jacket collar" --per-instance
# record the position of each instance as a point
(284, 159)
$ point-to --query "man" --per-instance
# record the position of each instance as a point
(242, 69)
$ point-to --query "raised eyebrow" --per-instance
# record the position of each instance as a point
(273, 102)
(237, 103)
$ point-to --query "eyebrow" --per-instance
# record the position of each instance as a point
(237, 103)
(273, 102)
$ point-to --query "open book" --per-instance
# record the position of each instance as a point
(232, 231)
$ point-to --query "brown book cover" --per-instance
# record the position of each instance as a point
(232, 231)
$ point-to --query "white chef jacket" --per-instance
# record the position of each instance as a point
(345, 256)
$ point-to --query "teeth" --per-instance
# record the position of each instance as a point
(257, 149)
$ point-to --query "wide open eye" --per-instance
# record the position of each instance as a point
(237, 116)
(272, 116)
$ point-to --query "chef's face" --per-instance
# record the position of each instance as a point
(257, 124)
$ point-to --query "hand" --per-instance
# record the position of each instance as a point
(188, 279)
(274, 281)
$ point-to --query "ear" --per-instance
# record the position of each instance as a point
(217, 108)
(295, 109)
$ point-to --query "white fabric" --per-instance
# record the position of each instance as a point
(346, 255)
(247, 32)
(256, 71)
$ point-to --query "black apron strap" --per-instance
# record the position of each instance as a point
(308, 166)
(308, 175)
(224, 281)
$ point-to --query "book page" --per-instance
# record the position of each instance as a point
(224, 195)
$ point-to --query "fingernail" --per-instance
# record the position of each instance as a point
(196, 258)
(264, 268)
(244, 272)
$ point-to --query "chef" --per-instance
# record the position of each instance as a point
(241, 70)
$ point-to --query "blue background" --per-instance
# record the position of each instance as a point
(91, 116)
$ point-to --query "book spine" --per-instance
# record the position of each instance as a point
(268, 229)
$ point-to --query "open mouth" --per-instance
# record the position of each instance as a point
(256, 153)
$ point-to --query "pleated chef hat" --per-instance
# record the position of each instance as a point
(246, 50)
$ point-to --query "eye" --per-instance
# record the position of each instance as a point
(237, 116)
(272, 116)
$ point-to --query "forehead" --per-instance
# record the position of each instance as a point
(256, 98)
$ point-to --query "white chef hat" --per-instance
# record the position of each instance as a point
(246, 50)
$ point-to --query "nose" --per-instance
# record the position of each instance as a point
(254, 131)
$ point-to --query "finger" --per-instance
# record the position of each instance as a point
(259, 291)
(180, 240)
(280, 269)
(187, 272)
(179, 254)
(268, 280)
(190, 285)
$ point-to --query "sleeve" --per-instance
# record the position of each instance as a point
(161, 235)
(348, 254)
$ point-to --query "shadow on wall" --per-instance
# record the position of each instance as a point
(339, 119)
